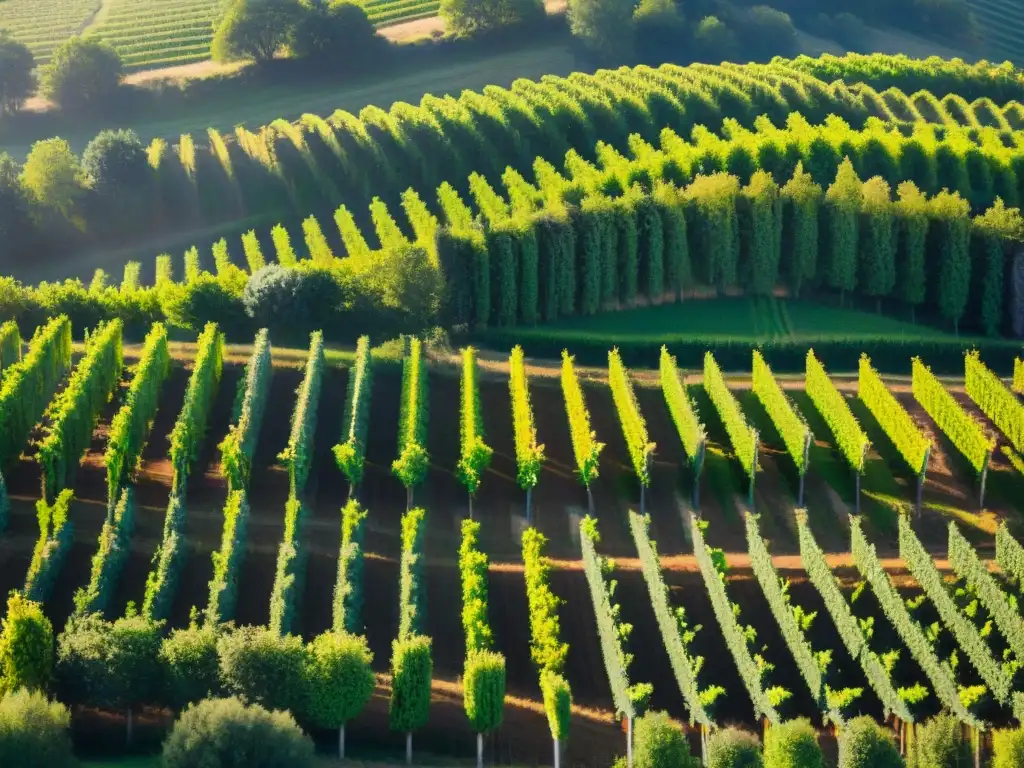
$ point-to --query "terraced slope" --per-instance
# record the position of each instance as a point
(42, 25)
(383, 12)
(160, 33)
(1002, 24)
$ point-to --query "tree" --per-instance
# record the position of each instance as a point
(16, 228)
(339, 32)
(877, 240)
(660, 30)
(994, 233)
(193, 667)
(801, 199)
(912, 235)
(733, 748)
(949, 235)
(842, 209)
(713, 41)
(26, 646)
(17, 79)
(228, 732)
(1008, 748)
(263, 667)
(940, 744)
(115, 162)
(793, 744)
(34, 731)
(469, 16)
(484, 694)
(134, 670)
(863, 744)
(340, 680)
(764, 32)
(83, 75)
(660, 743)
(255, 29)
(52, 176)
(412, 668)
(604, 26)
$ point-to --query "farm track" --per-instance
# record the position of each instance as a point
(558, 503)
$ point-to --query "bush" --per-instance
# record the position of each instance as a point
(713, 42)
(1008, 748)
(193, 667)
(338, 32)
(940, 744)
(83, 75)
(864, 744)
(34, 731)
(17, 81)
(299, 300)
(764, 32)
(264, 668)
(115, 162)
(733, 748)
(227, 732)
(26, 647)
(660, 743)
(793, 744)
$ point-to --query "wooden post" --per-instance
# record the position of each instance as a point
(920, 479)
(753, 472)
(529, 506)
(408, 498)
(803, 475)
(697, 466)
(470, 506)
(590, 501)
(641, 498)
(984, 478)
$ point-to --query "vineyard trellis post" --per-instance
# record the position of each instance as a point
(629, 741)
(803, 473)
(920, 480)
(984, 478)
(529, 505)
(753, 470)
(859, 472)
(698, 465)
(558, 754)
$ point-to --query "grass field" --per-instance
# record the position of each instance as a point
(42, 25)
(159, 33)
(740, 318)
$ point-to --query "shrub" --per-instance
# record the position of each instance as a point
(116, 163)
(83, 74)
(26, 647)
(263, 667)
(864, 744)
(793, 744)
(1008, 748)
(940, 744)
(733, 748)
(660, 743)
(34, 731)
(297, 300)
(339, 678)
(227, 732)
(193, 666)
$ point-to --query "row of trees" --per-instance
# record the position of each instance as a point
(349, 158)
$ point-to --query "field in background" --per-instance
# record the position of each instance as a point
(42, 25)
(159, 33)
(1002, 27)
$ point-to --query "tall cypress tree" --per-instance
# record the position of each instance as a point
(877, 240)
(949, 234)
(760, 233)
(714, 228)
(842, 211)
(911, 241)
(993, 233)
(801, 199)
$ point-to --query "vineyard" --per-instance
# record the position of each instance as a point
(571, 196)
(564, 493)
(42, 25)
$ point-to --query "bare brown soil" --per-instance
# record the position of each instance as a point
(558, 504)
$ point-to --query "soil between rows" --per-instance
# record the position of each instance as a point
(558, 504)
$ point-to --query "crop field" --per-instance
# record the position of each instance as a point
(42, 25)
(155, 33)
(382, 12)
(751, 443)
(1002, 27)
